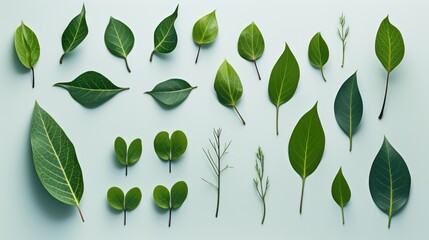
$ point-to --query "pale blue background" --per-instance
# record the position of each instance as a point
(28, 212)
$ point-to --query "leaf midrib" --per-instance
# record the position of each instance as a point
(76, 33)
(124, 54)
(92, 89)
(283, 80)
(306, 148)
(173, 91)
(205, 30)
(165, 36)
(390, 182)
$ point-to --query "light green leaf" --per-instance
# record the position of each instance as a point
(119, 39)
(228, 87)
(171, 92)
(340, 191)
(161, 196)
(76, 31)
(251, 44)
(205, 31)
(179, 192)
(134, 151)
(306, 146)
(91, 89)
(115, 198)
(165, 36)
(318, 53)
(132, 199)
(55, 159)
(121, 150)
(389, 180)
(170, 149)
(284, 80)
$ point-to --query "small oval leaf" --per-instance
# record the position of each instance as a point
(161, 196)
(179, 192)
(179, 143)
(119, 39)
(165, 36)
(75, 32)
(340, 191)
(318, 53)
(121, 150)
(171, 92)
(162, 145)
(115, 198)
(251, 44)
(205, 31)
(134, 151)
(132, 199)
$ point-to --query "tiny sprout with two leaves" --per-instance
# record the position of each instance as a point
(170, 199)
(116, 199)
(170, 149)
(130, 157)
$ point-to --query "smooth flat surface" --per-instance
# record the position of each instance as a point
(29, 212)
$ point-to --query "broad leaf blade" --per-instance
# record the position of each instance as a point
(205, 30)
(75, 32)
(134, 151)
(27, 46)
(55, 159)
(161, 196)
(318, 52)
(179, 143)
(348, 107)
(115, 198)
(171, 92)
(162, 145)
(121, 151)
(119, 39)
(132, 199)
(91, 89)
(389, 180)
(165, 36)
(340, 191)
(251, 43)
(179, 192)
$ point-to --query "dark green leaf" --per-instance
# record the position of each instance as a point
(162, 145)
(170, 149)
(205, 31)
(75, 33)
(134, 151)
(251, 44)
(171, 92)
(115, 198)
(389, 180)
(179, 192)
(165, 36)
(91, 89)
(119, 39)
(121, 150)
(179, 143)
(132, 199)
(340, 191)
(161, 196)
(318, 52)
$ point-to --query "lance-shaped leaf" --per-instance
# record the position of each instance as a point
(205, 31)
(251, 45)
(340, 191)
(128, 157)
(348, 107)
(306, 146)
(171, 92)
(27, 47)
(55, 159)
(389, 180)
(165, 36)
(390, 50)
(119, 39)
(228, 87)
(284, 80)
(91, 89)
(170, 149)
(318, 53)
(166, 200)
(75, 33)
(129, 202)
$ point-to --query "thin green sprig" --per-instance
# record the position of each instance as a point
(260, 167)
(343, 33)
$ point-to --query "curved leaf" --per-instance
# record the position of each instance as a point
(284, 80)
(205, 30)
(228, 87)
(179, 192)
(132, 199)
(165, 36)
(119, 39)
(161, 196)
(389, 180)
(162, 146)
(318, 53)
(115, 198)
(75, 32)
(340, 191)
(251, 44)
(91, 89)
(171, 92)
(179, 143)
(121, 150)
(306, 146)
(134, 151)
(348, 107)
(55, 159)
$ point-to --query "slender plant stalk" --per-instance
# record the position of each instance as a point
(343, 33)
(323, 75)
(126, 64)
(385, 96)
(242, 120)
(277, 119)
(342, 214)
(32, 73)
(302, 196)
(80, 213)
(151, 56)
(198, 53)
(169, 217)
(257, 70)
(125, 217)
(259, 185)
(61, 58)
(169, 165)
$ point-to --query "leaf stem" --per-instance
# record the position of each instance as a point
(198, 53)
(126, 170)
(388, 224)
(302, 195)
(342, 214)
(32, 73)
(61, 58)
(265, 210)
(351, 143)
(80, 213)
(257, 70)
(169, 218)
(277, 120)
(385, 96)
(125, 217)
(242, 120)
(151, 56)
(126, 64)
(169, 166)
(323, 75)
(218, 192)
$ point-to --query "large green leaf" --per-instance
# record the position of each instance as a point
(318, 53)
(161, 196)
(132, 199)
(91, 89)
(228, 87)
(348, 107)
(27, 47)
(179, 192)
(389, 180)
(171, 92)
(165, 36)
(251, 44)
(55, 159)
(284, 80)
(119, 39)
(75, 33)
(115, 198)
(340, 191)
(205, 31)
(306, 146)
(170, 149)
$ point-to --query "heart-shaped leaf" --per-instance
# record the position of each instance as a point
(306, 146)
(171, 92)
(75, 33)
(119, 39)
(228, 87)
(170, 149)
(91, 89)
(348, 107)
(251, 44)
(161, 196)
(165, 36)
(284, 80)
(165, 200)
(389, 180)
(340, 191)
(179, 192)
(27, 47)
(205, 31)
(116, 199)
(318, 53)
(128, 157)
(55, 159)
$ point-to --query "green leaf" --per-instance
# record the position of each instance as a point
(165, 36)
(179, 143)
(251, 44)
(134, 151)
(162, 145)
(340, 191)
(348, 107)
(318, 53)
(389, 180)
(27, 47)
(121, 150)
(306, 146)
(171, 92)
(128, 157)
(205, 31)
(75, 33)
(161, 196)
(390, 50)
(132, 199)
(91, 89)
(228, 87)
(179, 192)
(284, 80)
(55, 159)
(115, 198)
(119, 39)
(170, 149)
